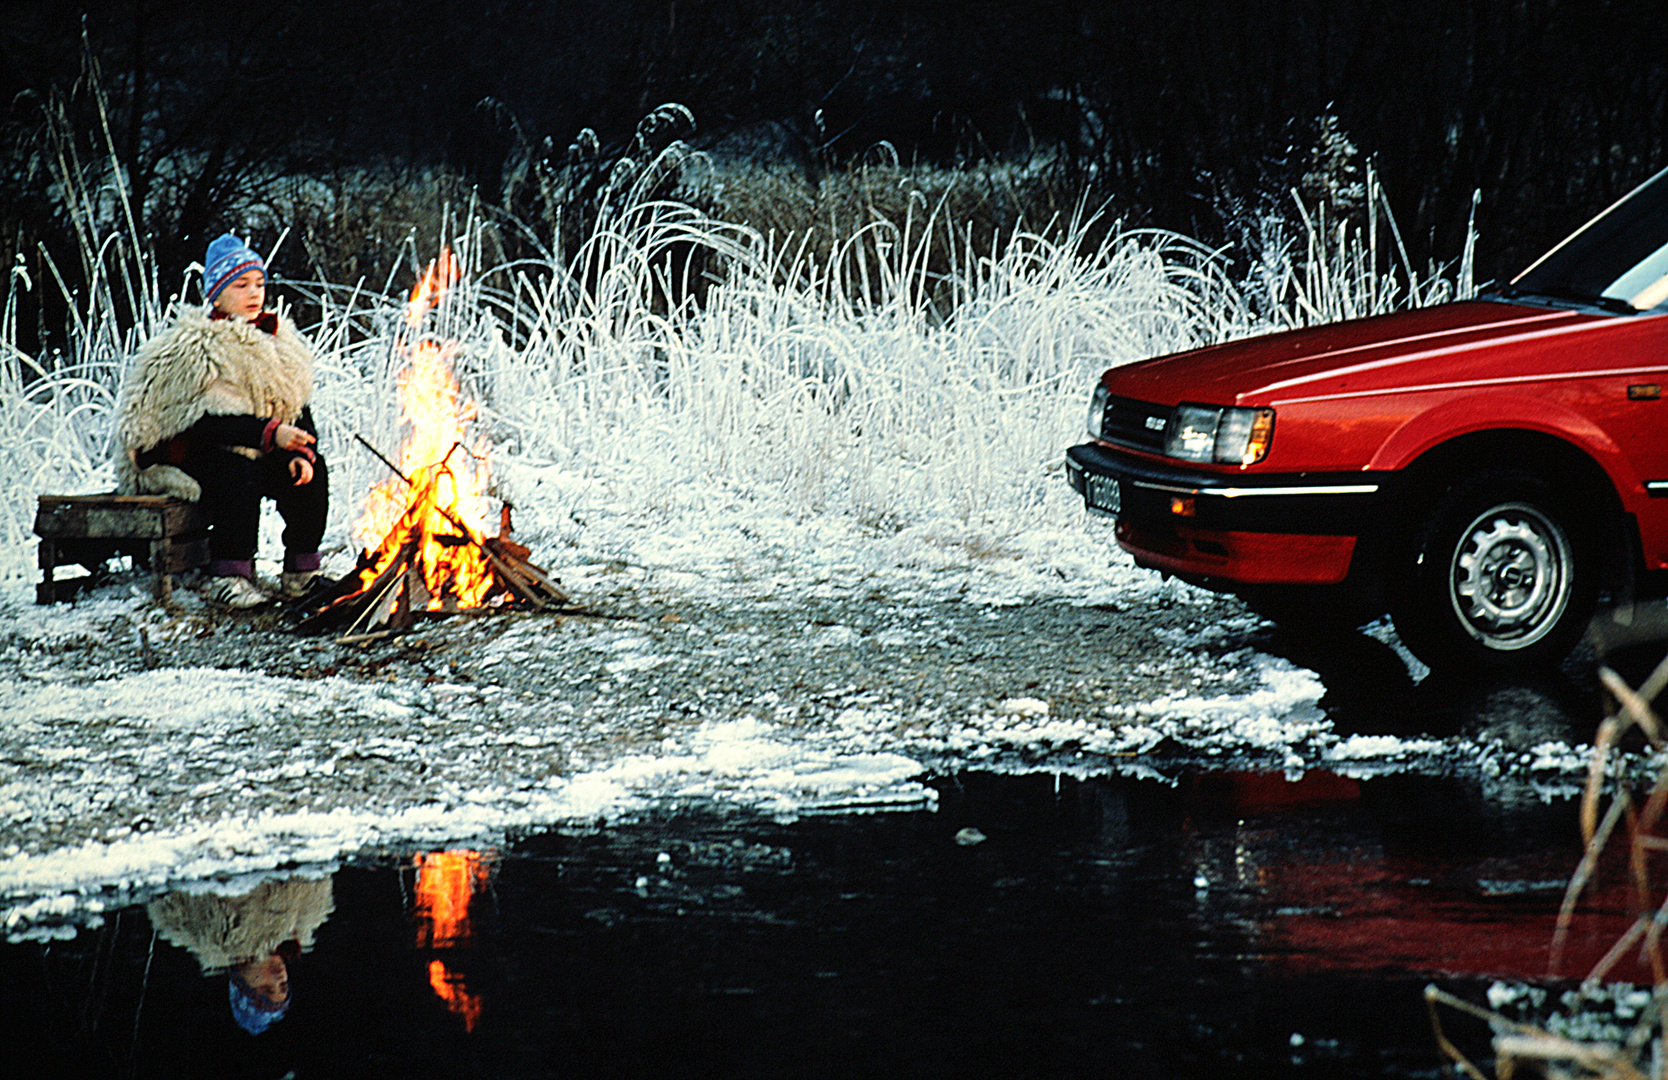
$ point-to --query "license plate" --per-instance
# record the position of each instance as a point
(1101, 493)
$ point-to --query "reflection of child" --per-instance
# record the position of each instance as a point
(215, 407)
(251, 938)
(259, 990)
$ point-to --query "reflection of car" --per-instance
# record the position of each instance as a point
(1482, 470)
(1359, 885)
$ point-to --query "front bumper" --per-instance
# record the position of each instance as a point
(1224, 530)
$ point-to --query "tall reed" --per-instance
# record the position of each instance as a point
(673, 360)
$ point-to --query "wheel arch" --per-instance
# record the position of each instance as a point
(1566, 466)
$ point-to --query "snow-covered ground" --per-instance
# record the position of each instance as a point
(741, 658)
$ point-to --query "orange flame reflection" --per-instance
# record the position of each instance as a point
(446, 882)
(449, 988)
(444, 508)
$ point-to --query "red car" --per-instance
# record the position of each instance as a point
(1483, 470)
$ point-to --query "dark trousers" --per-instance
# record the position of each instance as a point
(233, 487)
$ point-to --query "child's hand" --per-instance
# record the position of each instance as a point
(302, 470)
(290, 437)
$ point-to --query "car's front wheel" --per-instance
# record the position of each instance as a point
(1500, 575)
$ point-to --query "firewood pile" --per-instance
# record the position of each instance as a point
(414, 574)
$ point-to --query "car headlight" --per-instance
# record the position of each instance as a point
(1232, 436)
(1097, 410)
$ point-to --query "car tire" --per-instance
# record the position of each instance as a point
(1500, 575)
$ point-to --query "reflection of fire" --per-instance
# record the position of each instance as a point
(450, 989)
(446, 882)
(424, 530)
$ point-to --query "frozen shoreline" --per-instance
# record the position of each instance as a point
(791, 672)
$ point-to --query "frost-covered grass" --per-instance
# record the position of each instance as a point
(1316, 268)
(676, 363)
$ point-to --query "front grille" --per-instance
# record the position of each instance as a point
(1136, 424)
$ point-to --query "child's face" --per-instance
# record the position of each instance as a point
(245, 296)
(269, 978)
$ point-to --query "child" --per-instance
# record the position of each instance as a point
(215, 408)
(251, 938)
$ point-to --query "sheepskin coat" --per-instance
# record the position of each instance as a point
(201, 366)
(224, 931)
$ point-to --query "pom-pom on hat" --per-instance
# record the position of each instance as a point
(227, 259)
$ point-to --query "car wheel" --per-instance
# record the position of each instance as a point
(1501, 575)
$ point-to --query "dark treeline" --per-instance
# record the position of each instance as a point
(1184, 113)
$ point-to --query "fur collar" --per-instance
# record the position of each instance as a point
(200, 365)
(223, 931)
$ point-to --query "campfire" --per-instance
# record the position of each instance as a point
(424, 528)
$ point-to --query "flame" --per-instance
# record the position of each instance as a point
(444, 508)
(446, 882)
(449, 988)
(443, 272)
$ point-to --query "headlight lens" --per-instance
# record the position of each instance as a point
(1232, 436)
(1192, 434)
(1097, 410)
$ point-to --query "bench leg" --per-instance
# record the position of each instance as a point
(46, 592)
(165, 557)
(162, 578)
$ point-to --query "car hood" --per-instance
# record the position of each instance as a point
(1341, 358)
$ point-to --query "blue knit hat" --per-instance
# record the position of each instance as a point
(253, 1012)
(228, 258)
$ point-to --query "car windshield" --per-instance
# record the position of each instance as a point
(1619, 259)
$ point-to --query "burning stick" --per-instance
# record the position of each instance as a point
(378, 454)
(506, 556)
(468, 533)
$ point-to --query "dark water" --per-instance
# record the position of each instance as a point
(1218, 925)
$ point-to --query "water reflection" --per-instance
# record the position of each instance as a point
(1415, 874)
(446, 882)
(249, 937)
(1185, 928)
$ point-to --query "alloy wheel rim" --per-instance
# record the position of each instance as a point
(1511, 576)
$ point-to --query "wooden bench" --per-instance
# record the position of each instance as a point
(166, 534)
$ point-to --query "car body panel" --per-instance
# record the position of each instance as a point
(1250, 558)
(1370, 396)
(1360, 356)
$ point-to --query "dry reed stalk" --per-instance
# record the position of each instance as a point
(1519, 1045)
